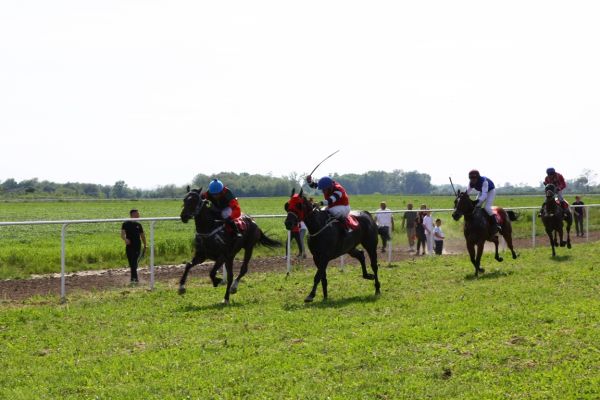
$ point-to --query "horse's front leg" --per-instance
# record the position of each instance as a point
(561, 235)
(549, 233)
(316, 280)
(213, 272)
(480, 246)
(195, 261)
(471, 250)
(229, 269)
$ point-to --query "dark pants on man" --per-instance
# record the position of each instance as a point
(579, 223)
(133, 254)
(384, 232)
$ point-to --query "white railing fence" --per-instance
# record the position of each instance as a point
(64, 224)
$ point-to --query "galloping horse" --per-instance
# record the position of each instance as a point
(327, 239)
(214, 242)
(553, 215)
(477, 228)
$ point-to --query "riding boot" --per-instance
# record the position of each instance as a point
(234, 227)
(494, 224)
(345, 228)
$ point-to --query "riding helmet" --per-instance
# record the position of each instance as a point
(325, 183)
(474, 174)
(550, 171)
(215, 187)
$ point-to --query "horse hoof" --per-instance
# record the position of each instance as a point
(225, 302)
(515, 256)
(181, 290)
(568, 245)
(233, 290)
(499, 259)
(481, 270)
(309, 299)
(563, 244)
(216, 282)
(369, 277)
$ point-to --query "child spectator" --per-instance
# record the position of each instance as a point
(438, 237)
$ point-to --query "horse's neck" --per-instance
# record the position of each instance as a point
(205, 224)
(316, 221)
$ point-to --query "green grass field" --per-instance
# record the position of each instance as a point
(27, 250)
(527, 329)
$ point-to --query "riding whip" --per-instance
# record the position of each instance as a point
(452, 184)
(325, 159)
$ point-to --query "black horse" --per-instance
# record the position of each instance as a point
(214, 242)
(477, 228)
(328, 239)
(553, 216)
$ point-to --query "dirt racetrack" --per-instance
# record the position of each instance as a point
(18, 290)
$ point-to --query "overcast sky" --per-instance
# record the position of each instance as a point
(154, 92)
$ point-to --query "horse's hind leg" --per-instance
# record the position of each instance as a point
(509, 244)
(372, 251)
(569, 222)
(360, 256)
(243, 269)
(496, 255)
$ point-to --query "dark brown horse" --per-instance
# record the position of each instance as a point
(478, 230)
(553, 216)
(214, 242)
(327, 239)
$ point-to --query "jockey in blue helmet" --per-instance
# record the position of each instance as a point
(224, 199)
(336, 198)
(486, 193)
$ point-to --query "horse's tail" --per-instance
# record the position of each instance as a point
(513, 216)
(267, 241)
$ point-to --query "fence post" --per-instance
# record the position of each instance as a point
(533, 228)
(587, 224)
(289, 252)
(63, 293)
(152, 223)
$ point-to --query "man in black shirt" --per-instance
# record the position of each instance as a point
(579, 213)
(132, 234)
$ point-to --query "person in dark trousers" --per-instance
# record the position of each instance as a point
(579, 213)
(420, 230)
(132, 234)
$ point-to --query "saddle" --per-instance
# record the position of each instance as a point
(349, 224)
(499, 217)
(241, 223)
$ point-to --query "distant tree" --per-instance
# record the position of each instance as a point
(119, 190)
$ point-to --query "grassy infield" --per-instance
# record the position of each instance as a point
(528, 328)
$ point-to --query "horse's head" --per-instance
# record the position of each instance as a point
(462, 205)
(550, 190)
(298, 207)
(192, 203)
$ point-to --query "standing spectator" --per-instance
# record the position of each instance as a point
(428, 227)
(419, 230)
(408, 221)
(438, 237)
(133, 235)
(579, 213)
(385, 224)
(297, 233)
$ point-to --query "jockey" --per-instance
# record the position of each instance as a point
(486, 193)
(224, 199)
(553, 177)
(336, 198)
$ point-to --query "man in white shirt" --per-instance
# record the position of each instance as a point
(385, 224)
(428, 226)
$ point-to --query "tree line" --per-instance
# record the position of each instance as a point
(257, 185)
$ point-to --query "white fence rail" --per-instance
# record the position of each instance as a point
(64, 224)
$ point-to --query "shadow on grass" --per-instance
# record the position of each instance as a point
(489, 275)
(184, 308)
(560, 258)
(338, 303)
